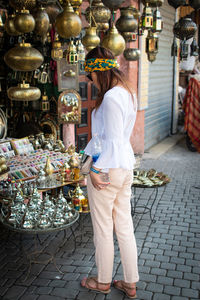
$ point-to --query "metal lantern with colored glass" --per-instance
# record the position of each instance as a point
(147, 18)
(151, 46)
(57, 51)
(72, 55)
(157, 21)
(45, 105)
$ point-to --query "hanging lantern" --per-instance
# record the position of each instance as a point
(23, 57)
(57, 51)
(10, 27)
(45, 105)
(194, 4)
(19, 4)
(153, 3)
(76, 5)
(41, 22)
(72, 56)
(100, 13)
(147, 18)
(174, 48)
(185, 28)
(184, 50)
(114, 41)
(91, 39)
(68, 24)
(131, 54)
(24, 92)
(112, 4)
(151, 46)
(157, 21)
(81, 55)
(127, 24)
(194, 48)
(177, 3)
(24, 21)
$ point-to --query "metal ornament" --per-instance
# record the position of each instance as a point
(24, 92)
(177, 3)
(194, 48)
(24, 21)
(184, 50)
(157, 21)
(194, 4)
(100, 13)
(174, 48)
(147, 18)
(71, 55)
(45, 104)
(68, 23)
(19, 4)
(1, 24)
(90, 39)
(112, 4)
(10, 27)
(131, 54)
(41, 22)
(81, 55)
(114, 41)
(151, 46)
(185, 28)
(76, 5)
(57, 51)
(127, 24)
(23, 57)
(153, 3)
(48, 169)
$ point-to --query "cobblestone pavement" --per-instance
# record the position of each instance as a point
(169, 249)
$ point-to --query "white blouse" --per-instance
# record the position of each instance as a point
(113, 122)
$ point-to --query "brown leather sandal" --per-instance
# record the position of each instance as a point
(91, 283)
(127, 288)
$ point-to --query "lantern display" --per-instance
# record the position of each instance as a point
(91, 39)
(194, 48)
(57, 51)
(71, 54)
(157, 21)
(151, 46)
(147, 18)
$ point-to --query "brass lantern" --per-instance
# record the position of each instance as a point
(24, 92)
(19, 4)
(10, 27)
(45, 105)
(151, 46)
(23, 57)
(127, 24)
(147, 18)
(90, 39)
(68, 24)
(157, 21)
(76, 5)
(71, 55)
(114, 41)
(41, 22)
(100, 13)
(24, 21)
(57, 51)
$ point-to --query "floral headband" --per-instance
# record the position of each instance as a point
(100, 64)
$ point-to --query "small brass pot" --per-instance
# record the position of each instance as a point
(23, 57)
(24, 21)
(24, 92)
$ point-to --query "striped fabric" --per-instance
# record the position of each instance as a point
(191, 106)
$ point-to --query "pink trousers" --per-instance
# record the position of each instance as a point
(111, 211)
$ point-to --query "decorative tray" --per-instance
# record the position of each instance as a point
(150, 178)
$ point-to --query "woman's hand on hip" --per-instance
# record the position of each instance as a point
(97, 182)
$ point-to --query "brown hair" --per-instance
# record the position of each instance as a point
(107, 79)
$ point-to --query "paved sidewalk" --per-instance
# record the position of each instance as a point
(169, 250)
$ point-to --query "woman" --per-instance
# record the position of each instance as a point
(112, 120)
